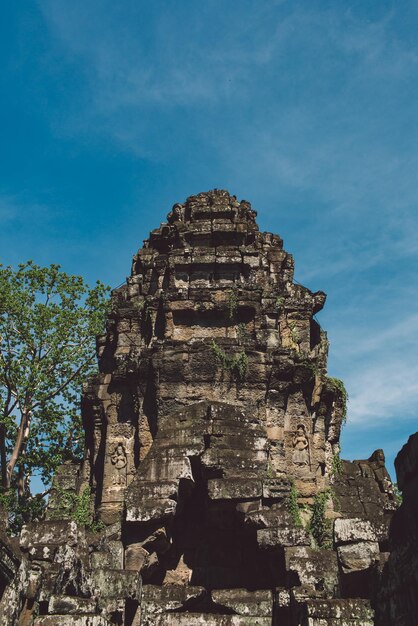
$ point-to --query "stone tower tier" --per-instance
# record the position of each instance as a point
(212, 451)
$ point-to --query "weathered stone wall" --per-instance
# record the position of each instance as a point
(397, 601)
(212, 451)
(211, 312)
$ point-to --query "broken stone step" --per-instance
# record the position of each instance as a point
(219, 489)
(243, 602)
(282, 537)
(350, 612)
(207, 619)
(72, 620)
(71, 605)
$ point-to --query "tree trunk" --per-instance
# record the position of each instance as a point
(22, 437)
(7, 409)
(3, 460)
(21, 479)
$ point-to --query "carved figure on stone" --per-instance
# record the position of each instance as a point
(176, 214)
(300, 447)
(119, 460)
(245, 211)
(111, 412)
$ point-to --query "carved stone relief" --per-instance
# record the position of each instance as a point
(119, 461)
(300, 447)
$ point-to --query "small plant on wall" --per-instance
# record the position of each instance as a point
(337, 465)
(293, 506)
(295, 334)
(237, 364)
(76, 507)
(241, 332)
(338, 386)
(279, 302)
(320, 526)
(232, 302)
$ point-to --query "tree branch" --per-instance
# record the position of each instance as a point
(58, 390)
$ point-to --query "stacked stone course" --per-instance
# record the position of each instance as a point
(211, 414)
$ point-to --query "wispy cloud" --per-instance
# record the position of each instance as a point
(15, 209)
(401, 333)
(9, 208)
(382, 390)
(171, 64)
(379, 364)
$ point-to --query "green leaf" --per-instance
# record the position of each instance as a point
(48, 324)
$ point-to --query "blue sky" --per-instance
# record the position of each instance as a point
(112, 111)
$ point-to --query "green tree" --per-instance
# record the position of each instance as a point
(48, 324)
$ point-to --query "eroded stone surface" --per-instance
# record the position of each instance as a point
(353, 530)
(211, 428)
(397, 598)
(358, 556)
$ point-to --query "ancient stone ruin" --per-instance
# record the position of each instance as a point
(212, 488)
(397, 595)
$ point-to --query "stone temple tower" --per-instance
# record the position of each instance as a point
(212, 451)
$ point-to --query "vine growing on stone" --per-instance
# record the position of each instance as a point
(240, 365)
(241, 332)
(337, 465)
(337, 385)
(232, 302)
(320, 526)
(237, 364)
(293, 506)
(76, 507)
(279, 302)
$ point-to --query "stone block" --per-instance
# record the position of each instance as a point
(42, 553)
(282, 537)
(317, 569)
(267, 517)
(208, 619)
(150, 565)
(306, 488)
(135, 557)
(170, 597)
(49, 533)
(276, 488)
(244, 602)
(158, 541)
(151, 510)
(100, 560)
(219, 489)
(71, 620)
(115, 549)
(110, 583)
(345, 612)
(359, 556)
(71, 605)
(353, 530)
(181, 575)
